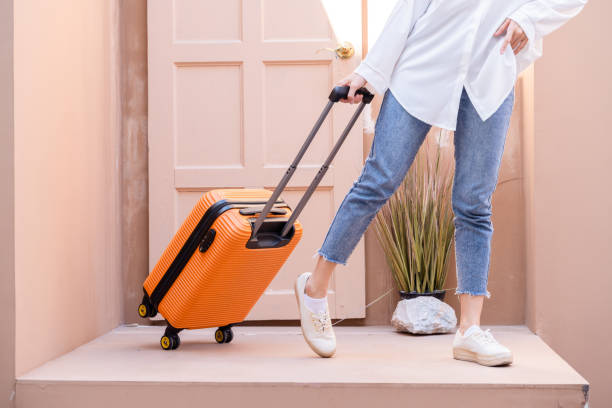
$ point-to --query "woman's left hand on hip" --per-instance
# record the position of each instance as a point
(515, 36)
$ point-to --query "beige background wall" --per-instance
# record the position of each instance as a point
(7, 208)
(68, 283)
(570, 274)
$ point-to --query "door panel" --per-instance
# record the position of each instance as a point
(234, 89)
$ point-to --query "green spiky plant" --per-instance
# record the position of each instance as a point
(415, 227)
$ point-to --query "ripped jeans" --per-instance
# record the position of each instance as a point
(479, 147)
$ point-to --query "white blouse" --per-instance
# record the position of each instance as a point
(429, 50)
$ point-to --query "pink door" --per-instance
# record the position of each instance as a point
(234, 88)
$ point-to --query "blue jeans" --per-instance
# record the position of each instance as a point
(479, 147)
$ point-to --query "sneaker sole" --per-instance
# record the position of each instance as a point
(297, 298)
(467, 355)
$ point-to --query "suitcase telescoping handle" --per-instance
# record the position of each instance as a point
(338, 93)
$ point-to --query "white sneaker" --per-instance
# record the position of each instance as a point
(481, 347)
(316, 328)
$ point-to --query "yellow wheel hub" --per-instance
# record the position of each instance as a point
(142, 311)
(219, 336)
(165, 342)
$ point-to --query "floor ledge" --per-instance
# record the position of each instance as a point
(372, 365)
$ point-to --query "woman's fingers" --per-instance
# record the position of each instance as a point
(354, 82)
(515, 42)
(351, 94)
(506, 41)
(502, 27)
(519, 42)
(346, 81)
(518, 46)
(515, 36)
(355, 98)
(349, 97)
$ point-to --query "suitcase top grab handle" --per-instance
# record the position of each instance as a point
(338, 93)
(341, 92)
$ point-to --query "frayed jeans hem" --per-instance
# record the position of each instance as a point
(468, 292)
(327, 258)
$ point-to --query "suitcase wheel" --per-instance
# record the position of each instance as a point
(142, 310)
(146, 309)
(224, 335)
(170, 341)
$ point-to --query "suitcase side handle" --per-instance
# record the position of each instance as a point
(339, 92)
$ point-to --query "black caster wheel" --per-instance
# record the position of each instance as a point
(152, 311)
(170, 341)
(224, 335)
(166, 342)
(146, 309)
(143, 310)
(176, 342)
(220, 336)
(229, 335)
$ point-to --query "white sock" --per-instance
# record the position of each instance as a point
(315, 305)
(471, 329)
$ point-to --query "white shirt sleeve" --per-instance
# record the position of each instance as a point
(538, 18)
(380, 61)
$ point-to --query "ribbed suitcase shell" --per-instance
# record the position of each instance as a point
(220, 286)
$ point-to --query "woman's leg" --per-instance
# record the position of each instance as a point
(397, 139)
(479, 148)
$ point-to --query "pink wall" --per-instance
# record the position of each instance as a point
(68, 283)
(7, 207)
(570, 273)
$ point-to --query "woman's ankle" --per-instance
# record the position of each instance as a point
(464, 326)
(317, 284)
(313, 291)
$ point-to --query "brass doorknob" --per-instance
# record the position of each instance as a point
(344, 50)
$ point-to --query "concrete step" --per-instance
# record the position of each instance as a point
(273, 366)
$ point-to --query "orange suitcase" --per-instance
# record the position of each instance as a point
(228, 250)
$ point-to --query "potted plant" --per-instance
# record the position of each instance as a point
(416, 228)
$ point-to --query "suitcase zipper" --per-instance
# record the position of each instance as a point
(192, 244)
